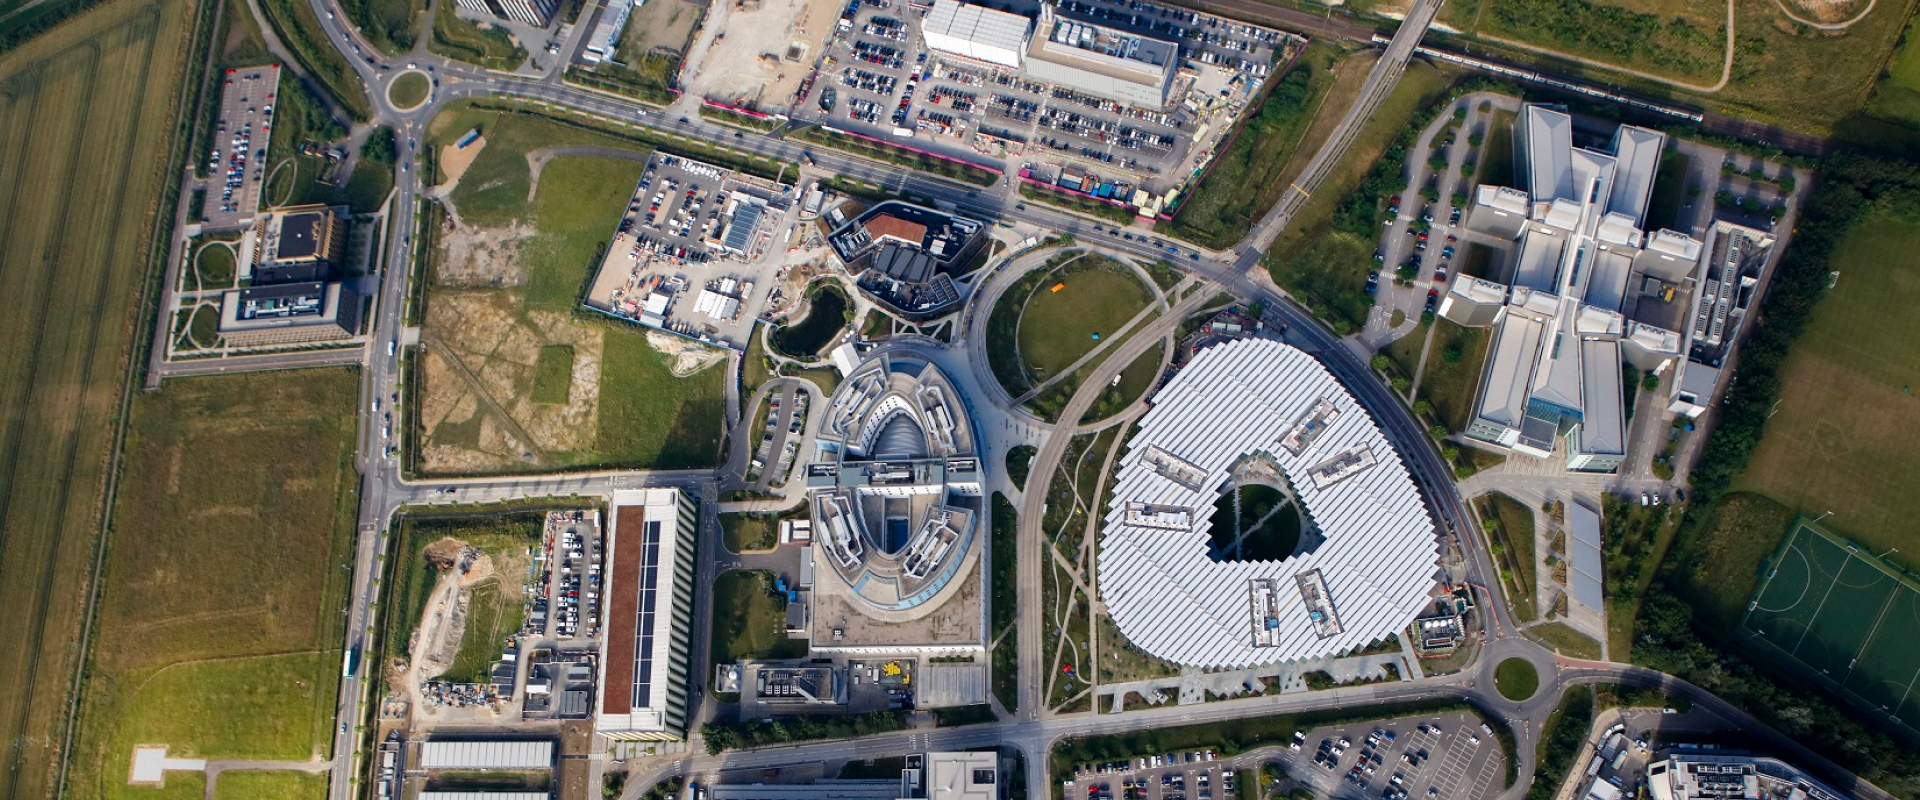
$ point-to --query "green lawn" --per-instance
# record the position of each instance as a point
(1516, 679)
(1326, 268)
(1005, 668)
(757, 532)
(494, 612)
(553, 374)
(409, 90)
(1058, 327)
(1135, 380)
(1261, 531)
(268, 786)
(393, 26)
(1842, 438)
(1247, 178)
(219, 625)
(1452, 376)
(648, 416)
(1664, 44)
(1496, 160)
(214, 266)
(750, 620)
(1568, 641)
(1513, 548)
(488, 47)
(300, 30)
(1742, 531)
(1898, 94)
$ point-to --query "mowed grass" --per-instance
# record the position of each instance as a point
(1058, 327)
(552, 374)
(649, 417)
(219, 624)
(88, 117)
(1568, 641)
(1898, 95)
(1843, 437)
(462, 40)
(750, 620)
(1516, 679)
(409, 90)
(269, 786)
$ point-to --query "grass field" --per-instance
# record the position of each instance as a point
(1249, 177)
(749, 620)
(1662, 42)
(268, 786)
(1513, 549)
(552, 375)
(219, 624)
(300, 30)
(1898, 94)
(459, 39)
(1058, 327)
(1452, 377)
(494, 612)
(409, 90)
(645, 416)
(1568, 641)
(1849, 619)
(1742, 533)
(1516, 679)
(392, 26)
(1326, 268)
(1139, 377)
(88, 115)
(1842, 438)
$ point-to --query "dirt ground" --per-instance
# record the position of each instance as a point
(1826, 10)
(455, 160)
(688, 357)
(749, 61)
(480, 363)
(472, 256)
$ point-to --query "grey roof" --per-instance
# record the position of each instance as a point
(1510, 370)
(746, 217)
(1583, 540)
(1171, 599)
(1638, 152)
(1607, 288)
(487, 754)
(900, 437)
(1539, 261)
(480, 795)
(1602, 429)
(1559, 377)
(1549, 142)
(818, 790)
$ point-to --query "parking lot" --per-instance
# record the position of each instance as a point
(685, 255)
(1440, 757)
(237, 165)
(875, 77)
(1185, 775)
(567, 603)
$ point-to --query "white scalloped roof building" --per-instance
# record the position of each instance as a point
(1371, 572)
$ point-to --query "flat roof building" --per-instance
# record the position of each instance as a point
(1732, 776)
(905, 257)
(486, 754)
(295, 313)
(1135, 70)
(649, 615)
(956, 775)
(298, 244)
(1580, 262)
(1371, 571)
(976, 32)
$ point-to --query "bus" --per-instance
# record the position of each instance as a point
(347, 664)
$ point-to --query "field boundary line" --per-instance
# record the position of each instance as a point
(1867, 643)
(1795, 652)
(148, 305)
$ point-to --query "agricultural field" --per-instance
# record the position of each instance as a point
(1842, 438)
(1264, 156)
(503, 317)
(88, 118)
(219, 622)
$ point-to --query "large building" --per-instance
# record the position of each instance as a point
(649, 615)
(958, 775)
(289, 314)
(905, 257)
(481, 755)
(895, 493)
(1590, 291)
(299, 244)
(1710, 775)
(527, 12)
(1073, 54)
(1366, 573)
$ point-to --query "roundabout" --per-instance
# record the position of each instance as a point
(409, 90)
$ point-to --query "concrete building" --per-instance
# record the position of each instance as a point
(486, 754)
(605, 39)
(976, 33)
(895, 491)
(1717, 775)
(295, 313)
(298, 244)
(475, 6)
(960, 775)
(1366, 572)
(484, 795)
(1589, 291)
(905, 257)
(1102, 61)
(649, 615)
(537, 13)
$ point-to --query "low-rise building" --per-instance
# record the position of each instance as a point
(299, 244)
(1717, 775)
(905, 257)
(295, 313)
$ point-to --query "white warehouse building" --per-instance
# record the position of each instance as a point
(977, 32)
(1371, 572)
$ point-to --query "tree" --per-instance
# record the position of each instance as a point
(1489, 525)
(1401, 384)
(1422, 406)
(1450, 452)
(1452, 353)
(1380, 362)
(1438, 432)
(1651, 382)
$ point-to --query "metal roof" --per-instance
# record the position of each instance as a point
(477, 795)
(487, 754)
(1510, 370)
(1637, 150)
(1583, 544)
(1170, 598)
(976, 32)
(1602, 429)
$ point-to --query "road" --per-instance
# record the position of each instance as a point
(1238, 270)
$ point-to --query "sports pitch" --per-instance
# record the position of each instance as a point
(1846, 617)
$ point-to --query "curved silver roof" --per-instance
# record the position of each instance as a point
(1371, 576)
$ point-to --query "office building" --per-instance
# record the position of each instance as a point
(649, 615)
(289, 314)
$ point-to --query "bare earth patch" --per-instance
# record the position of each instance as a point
(689, 357)
(472, 256)
(455, 160)
(498, 343)
(1825, 11)
(751, 62)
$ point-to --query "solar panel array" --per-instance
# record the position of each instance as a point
(1171, 598)
(643, 630)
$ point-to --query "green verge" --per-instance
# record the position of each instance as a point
(1516, 679)
(919, 162)
(293, 21)
(391, 26)
(489, 47)
(1005, 601)
(1560, 741)
(750, 619)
